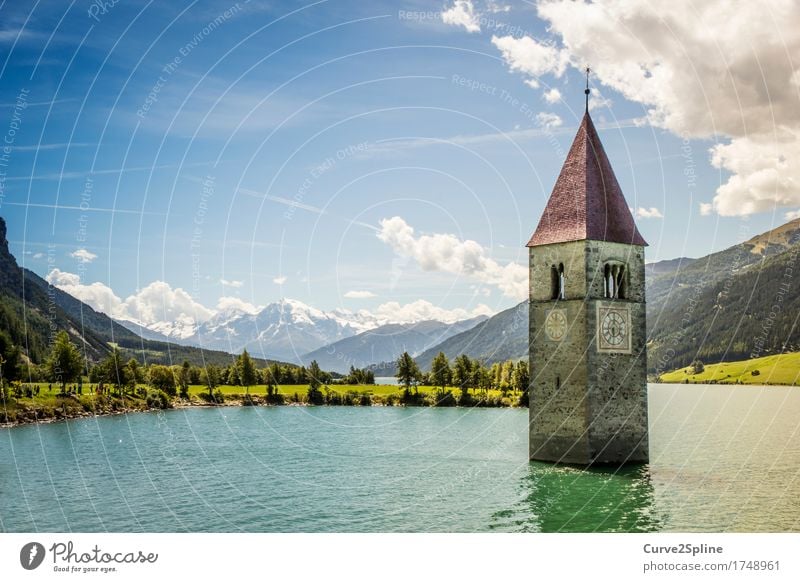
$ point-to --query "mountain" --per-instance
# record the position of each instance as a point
(735, 304)
(32, 311)
(386, 343)
(284, 330)
(668, 266)
(730, 305)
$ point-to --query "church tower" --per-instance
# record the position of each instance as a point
(588, 361)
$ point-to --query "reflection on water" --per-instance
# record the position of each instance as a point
(723, 458)
(570, 499)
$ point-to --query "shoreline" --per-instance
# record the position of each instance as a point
(114, 406)
(32, 415)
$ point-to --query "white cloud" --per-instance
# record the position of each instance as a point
(280, 280)
(529, 56)
(651, 212)
(83, 255)
(706, 208)
(446, 253)
(700, 70)
(549, 120)
(462, 13)
(157, 302)
(598, 101)
(552, 95)
(38, 256)
(359, 294)
(229, 304)
(422, 310)
(234, 284)
(792, 215)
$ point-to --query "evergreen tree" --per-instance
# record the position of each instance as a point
(522, 377)
(408, 372)
(441, 374)
(246, 370)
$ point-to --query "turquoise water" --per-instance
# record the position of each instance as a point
(723, 459)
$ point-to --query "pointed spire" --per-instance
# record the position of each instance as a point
(587, 202)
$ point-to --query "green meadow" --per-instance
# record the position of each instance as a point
(779, 369)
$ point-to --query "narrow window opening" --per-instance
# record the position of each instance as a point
(561, 292)
(554, 282)
(558, 382)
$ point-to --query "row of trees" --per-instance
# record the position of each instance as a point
(465, 373)
(66, 365)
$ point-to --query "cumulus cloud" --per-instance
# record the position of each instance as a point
(549, 120)
(462, 13)
(792, 215)
(234, 284)
(552, 95)
(83, 255)
(651, 212)
(446, 253)
(157, 302)
(229, 304)
(706, 208)
(531, 57)
(700, 70)
(359, 294)
(422, 310)
(280, 280)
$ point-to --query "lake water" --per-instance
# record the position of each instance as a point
(723, 459)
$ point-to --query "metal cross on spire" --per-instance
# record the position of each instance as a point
(586, 92)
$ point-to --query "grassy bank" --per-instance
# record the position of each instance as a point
(782, 369)
(49, 405)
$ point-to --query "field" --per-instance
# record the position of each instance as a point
(780, 369)
(28, 406)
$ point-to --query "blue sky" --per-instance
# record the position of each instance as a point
(265, 145)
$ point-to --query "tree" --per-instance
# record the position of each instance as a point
(462, 373)
(184, 377)
(9, 359)
(211, 378)
(408, 372)
(64, 364)
(246, 371)
(114, 371)
(162, 378)
(137, 376)
(441, 374)
(506, 373)
(521, 378)
(314, 381)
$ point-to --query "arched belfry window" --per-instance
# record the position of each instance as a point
(561, 292)
(555, 282)
(614, 281)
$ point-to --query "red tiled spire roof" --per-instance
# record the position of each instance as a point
(586, 202)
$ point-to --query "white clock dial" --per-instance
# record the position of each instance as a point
(614, 328)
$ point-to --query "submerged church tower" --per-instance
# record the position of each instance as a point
(588, 362)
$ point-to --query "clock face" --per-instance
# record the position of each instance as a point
(613, 329)
(555, 326)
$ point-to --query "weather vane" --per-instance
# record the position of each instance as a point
(588, 70)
